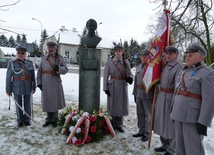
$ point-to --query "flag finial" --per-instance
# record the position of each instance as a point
(165, 3)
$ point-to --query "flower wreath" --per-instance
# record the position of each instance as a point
(82, 127)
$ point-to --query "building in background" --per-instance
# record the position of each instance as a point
(7, 52)
(69, 42)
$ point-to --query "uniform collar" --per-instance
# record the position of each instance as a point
(172, 63)
(195, 66)
(117, 60)
(21, 61)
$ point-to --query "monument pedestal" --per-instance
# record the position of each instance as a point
(89, 79)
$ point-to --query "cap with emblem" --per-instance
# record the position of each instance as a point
(21, 48)
(116, 47)
(192, 48)
(51, 44)
(169, 49)
(145, 52)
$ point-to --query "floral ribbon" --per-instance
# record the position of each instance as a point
(72, 134)
(111, 129)
(86, 121)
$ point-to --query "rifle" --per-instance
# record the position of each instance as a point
(57, 53)
(124, 62)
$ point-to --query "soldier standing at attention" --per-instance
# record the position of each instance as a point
(117, 74)
(50, 83)
(163, 124)
(20, 80)
(193, 107)
(143, 101)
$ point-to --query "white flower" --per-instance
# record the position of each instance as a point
(74, 118)
(78, 130)
(85, 114)
(71, 128)
(74, 139)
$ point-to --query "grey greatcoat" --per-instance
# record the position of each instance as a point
(143, 101)
(117, 103)
(52, 91)
(188, 111)
(163, 124)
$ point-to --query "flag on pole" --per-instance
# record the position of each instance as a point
(152, 73)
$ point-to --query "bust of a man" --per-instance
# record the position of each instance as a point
(91, 40)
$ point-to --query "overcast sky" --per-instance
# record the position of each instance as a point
(123, 19)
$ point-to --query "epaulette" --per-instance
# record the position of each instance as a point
(207, 68)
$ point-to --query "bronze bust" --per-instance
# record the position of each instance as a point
(91, 40)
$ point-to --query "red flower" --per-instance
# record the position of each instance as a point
(93, 118)
(88, 139)
(78, 142)
(101, 124)
(93, 129)
(84, 130)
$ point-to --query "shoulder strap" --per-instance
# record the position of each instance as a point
(117, 68)
(23, 68)
(56, 61)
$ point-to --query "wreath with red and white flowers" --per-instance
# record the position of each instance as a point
(81, 127)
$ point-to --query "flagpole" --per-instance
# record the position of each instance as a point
(152, 117)
(165, 2)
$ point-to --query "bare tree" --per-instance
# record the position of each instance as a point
(2, 7)
(191, 21)
(5, 8)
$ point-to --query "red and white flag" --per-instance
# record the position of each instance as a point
(152, 72)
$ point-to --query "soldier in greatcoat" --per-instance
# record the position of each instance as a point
(117, 75)
(50, 83)
(143, 101)
(163, 125)
(193, 107)
(20, 80)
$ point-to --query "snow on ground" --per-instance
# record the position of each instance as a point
(36, 140)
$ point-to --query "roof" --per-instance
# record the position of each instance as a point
(73, 38)
(8, 50)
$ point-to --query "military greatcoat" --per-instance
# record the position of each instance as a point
(143, 101)
(163, 124)
(187, 111)
(52, 91)
(117, 102)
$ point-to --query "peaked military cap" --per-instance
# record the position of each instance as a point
(171, 49)
(144, 52)
(196, 48)
(118, 47)
(51, 44)
(21, 49)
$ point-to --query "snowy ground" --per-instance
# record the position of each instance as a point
(36, 140)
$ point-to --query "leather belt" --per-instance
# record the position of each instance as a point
(189, 94)
(141, 87)
(22, 78)
(166, 90)
(53, 72)
(118, 77)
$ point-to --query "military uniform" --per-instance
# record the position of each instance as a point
(114, 80)
(163, 124)
(51, 84)
(20, 80)
(193, 107)
(143, 102)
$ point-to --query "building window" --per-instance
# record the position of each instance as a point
(67, 54)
